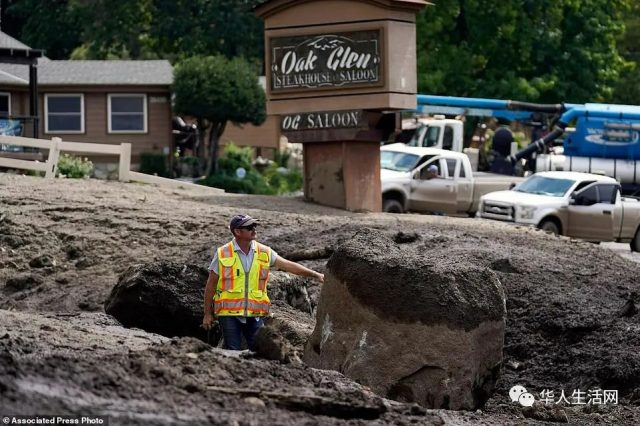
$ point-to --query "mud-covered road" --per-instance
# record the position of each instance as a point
(571, 317)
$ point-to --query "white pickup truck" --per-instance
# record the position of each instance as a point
(407, 184)
(580, 205)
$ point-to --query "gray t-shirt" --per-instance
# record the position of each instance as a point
(245, 258)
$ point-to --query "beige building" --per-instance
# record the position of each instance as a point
(93, 101)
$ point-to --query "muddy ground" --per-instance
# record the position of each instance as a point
(571, 325)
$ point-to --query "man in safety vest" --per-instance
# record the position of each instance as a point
(236, 289)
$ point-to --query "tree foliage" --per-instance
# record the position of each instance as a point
(216, 90)
(49, 25)
(627, 90)
(139, 29)
(536, 50)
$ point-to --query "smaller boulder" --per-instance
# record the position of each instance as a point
(284, 334)
(42, 262)
(160, 297)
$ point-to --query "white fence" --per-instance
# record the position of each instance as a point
(57, 145)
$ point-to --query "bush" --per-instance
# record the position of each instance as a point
(154, 164)
(282, 157)
(282, 180)
(74, 167)
(274, 181)
(233, 158)
(187, 166)
(252, 183)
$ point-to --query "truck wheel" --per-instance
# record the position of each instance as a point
(635, 243)
(549, 225)
(392, 206)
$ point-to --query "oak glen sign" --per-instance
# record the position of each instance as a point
(338, 60)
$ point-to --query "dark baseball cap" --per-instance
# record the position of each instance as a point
(240, 220)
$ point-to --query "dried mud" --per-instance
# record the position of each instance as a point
(571, 316)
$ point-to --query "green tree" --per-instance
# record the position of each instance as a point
(184, 28)
(114, 29)
(536, 50)
(138, 29)
(627, 90)
(215, 90)
(49, 25)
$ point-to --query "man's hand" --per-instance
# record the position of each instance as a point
(319, 277)
(208, 321)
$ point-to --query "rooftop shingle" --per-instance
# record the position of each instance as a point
(8, 42)
(87, 73)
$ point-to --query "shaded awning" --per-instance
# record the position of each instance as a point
(20, 56)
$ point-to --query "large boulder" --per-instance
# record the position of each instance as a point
(412, 323)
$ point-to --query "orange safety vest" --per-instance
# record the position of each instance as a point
(239, 293)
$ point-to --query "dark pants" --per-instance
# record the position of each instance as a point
(233, 330)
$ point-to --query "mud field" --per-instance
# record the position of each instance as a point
(572, 321)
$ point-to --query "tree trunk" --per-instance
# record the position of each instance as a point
(217, 128)
(199, 148)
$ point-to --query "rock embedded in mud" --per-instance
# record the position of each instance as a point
(160, 297)
(546, 413)
(413, 325)
(43, 261)
(284, 334)
(24, 282)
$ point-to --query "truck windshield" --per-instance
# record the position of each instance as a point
(417, 136)
(545, 186)
(426, 136)
(399, 161)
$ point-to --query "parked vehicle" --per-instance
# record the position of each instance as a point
(407, 184)
(442, 133)
(580, 205)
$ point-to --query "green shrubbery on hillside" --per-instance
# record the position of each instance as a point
(273, 180)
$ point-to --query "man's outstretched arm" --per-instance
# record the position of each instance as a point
(298, 269)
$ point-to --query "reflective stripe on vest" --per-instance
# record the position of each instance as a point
(226, 272)
(240, 293)
(263, 274)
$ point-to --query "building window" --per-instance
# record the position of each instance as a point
(64, 113)
(127, 113)
(5, 104)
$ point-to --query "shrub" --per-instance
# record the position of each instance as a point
(154, 164)
(74, 167)
(233, 158)
(282, 180)
(281, 158)
(252, 183)
(274, 180)
(187, 166)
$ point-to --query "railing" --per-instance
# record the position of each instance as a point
(57, 145)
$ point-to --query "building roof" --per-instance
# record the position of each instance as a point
(88, 73)
(85, 73)
(8, 42)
